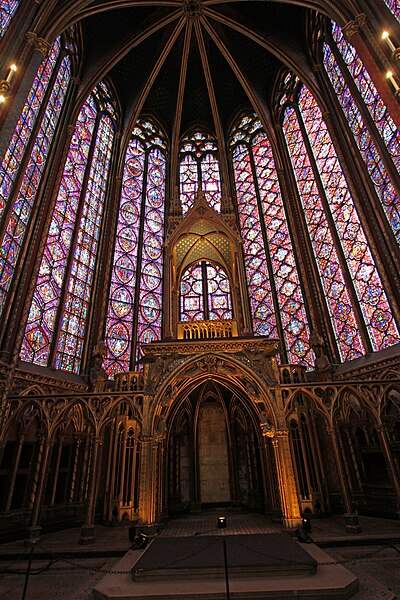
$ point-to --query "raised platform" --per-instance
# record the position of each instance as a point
(274, 554)
(259, 566)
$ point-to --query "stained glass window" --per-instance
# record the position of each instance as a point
(136, 281)
(199, 167)
(394, 6)
(57, 319)
(363, 135)
(265, 234)
(19, 186)
(7, 11)
(205, 293)
(340, 210)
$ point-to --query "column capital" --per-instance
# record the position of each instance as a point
(354, 26)
(38, 43)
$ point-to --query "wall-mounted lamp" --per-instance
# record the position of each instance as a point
(2, 99)
(385, 36)
(11, 73)
(389, 75)
(395, 51)
(5, 84)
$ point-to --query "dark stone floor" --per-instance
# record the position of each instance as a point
(64, 570)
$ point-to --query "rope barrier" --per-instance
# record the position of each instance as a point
(57, 559)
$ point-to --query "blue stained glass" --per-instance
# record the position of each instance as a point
(374, 163)
(8, 9)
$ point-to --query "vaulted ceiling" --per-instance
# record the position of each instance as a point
(189, 62)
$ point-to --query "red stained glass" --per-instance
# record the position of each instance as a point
(66, 235)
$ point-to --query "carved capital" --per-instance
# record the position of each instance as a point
(38, 43)
(353, 27)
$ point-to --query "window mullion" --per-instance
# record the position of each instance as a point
(204, 283)
(136, 308)
(199, 173)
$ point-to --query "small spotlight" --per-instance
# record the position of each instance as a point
(306, 523)
(221, 522)
(385, 34)
(140, 542)
(389, 74)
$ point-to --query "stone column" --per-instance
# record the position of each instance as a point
(353, 32)
(393, 472)
(84, 469)
(351, 522)
(78, 442)
(87, 529)
(34, 529)
(21, 438)
(286, 481)
(147, 490)
(56, 470)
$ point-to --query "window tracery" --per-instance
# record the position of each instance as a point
(205, 293)
(57, 320)
(135, 301)
(199, 168)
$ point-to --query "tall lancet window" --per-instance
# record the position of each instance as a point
(276, 298)
(374, 131)
(205, 293)
(135, 303)
(353, 289)
(24, 162)
(199, 168)
(58, 317)
(8, 9)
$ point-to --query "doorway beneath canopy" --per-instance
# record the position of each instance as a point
(216, 455)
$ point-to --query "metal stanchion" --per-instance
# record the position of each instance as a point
(28, 572)
(226, 571)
